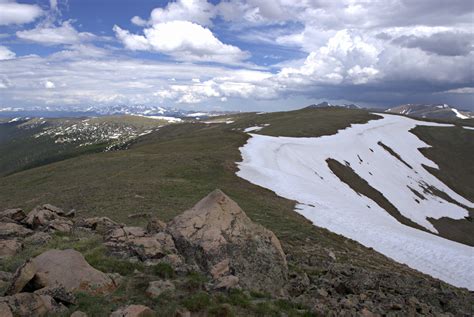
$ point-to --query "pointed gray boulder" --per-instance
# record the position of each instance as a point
(217, 235)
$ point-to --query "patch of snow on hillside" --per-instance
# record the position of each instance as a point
(459, 115)
(296, 168)
(169, 119)
(253, 129)
(256, 128)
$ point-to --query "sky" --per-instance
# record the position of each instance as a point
(236, 54)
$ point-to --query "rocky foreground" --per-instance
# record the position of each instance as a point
(212, 250)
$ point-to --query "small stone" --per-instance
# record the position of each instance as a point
(78, 313)
(9, 248)
(155, 225)
(182, 313)
(220, 269)
(139, 215)
(367, 313)
(156, 288)
(348, 303)
(227, 282)
(133, 311)
(322, 292)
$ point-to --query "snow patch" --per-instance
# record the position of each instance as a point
(169, 119)
(296, 168)
(459, 114)
(256, 128)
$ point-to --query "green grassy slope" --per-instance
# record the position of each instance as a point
(21, 149)
(453, 150)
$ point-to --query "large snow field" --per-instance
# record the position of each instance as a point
(296, 168)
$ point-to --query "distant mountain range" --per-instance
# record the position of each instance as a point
(326, 104)
(431, 111)
(81, 111)
(428, 111)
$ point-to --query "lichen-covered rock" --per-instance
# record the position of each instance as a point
(218, 236)
(59, 293)
(67, 268)
(30, 305)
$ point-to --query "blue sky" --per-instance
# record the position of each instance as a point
(235, 54)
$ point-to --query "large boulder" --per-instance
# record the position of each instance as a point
(217, 235)
(66, 268)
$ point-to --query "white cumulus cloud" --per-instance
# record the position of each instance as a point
(12, 12)
(198, 11)
(54, 35)
(182, 40)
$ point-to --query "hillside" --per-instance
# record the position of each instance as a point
(431, 111)
(30, 142)
(167, 171)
